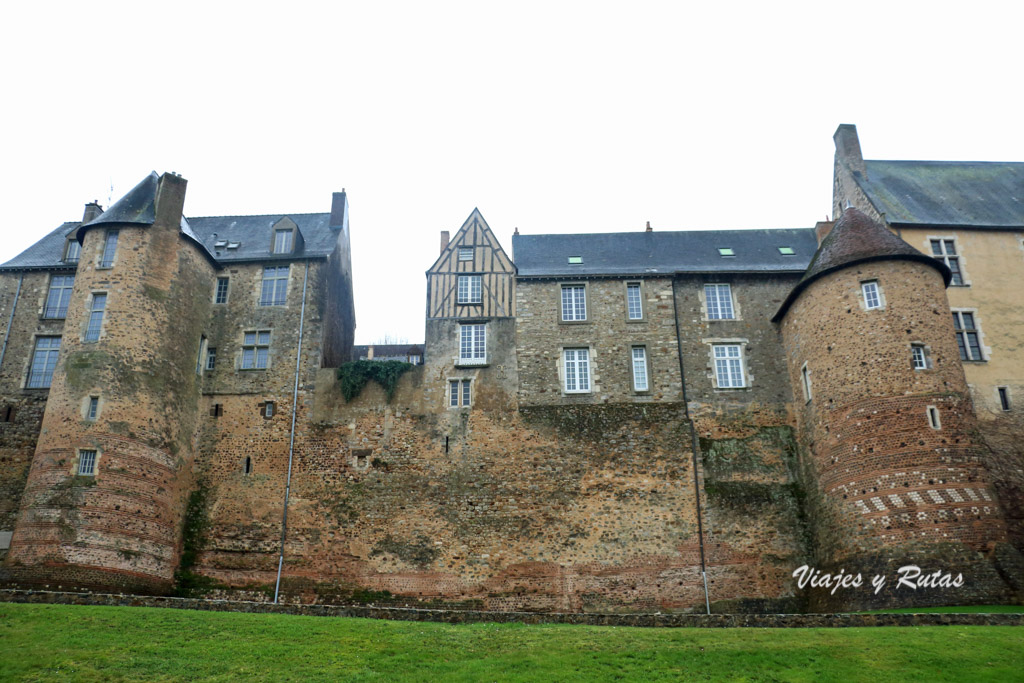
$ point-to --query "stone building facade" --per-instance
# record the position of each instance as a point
(646, 421)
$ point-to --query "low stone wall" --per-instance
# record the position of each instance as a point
(471, 617)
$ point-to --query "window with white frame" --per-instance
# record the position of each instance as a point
(473, 344)
(469, 289)
(576, 366)
(728, 366)
(109, 249)
(283, 241)
(639, 356)
(872, 299)
(459, 393)
(465, 253)
(918, 357)
(967, 335)
(73, 251)
(634, 303)
(574, 302)
(275, 286)
(805, 380)
(96, 309)
(221, 295)
(256, 350)
(719, 302)
(945, 251)
(44, 360)
(211, 357)
(86, 462)
(59, 295)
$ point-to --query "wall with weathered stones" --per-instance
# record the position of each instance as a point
(541, 336)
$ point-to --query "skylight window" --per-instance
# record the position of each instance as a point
(233, 245)
(726, 251)
(220, 243)
(575, 260)
(786, 251)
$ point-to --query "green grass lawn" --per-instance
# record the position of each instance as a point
(57, 642)
(970, 609)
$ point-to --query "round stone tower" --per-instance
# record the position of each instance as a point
(893, 474)
(105, 497)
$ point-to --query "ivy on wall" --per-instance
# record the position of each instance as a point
(355, 375)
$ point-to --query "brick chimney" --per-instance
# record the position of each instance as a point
(92, 212)
(339, 209)
(444, 240)
(848, 148)
(822, 229)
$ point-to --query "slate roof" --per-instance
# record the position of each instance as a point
(856, 238)
(252, 233)
(645, 253)
(947, 193)
(138, 206)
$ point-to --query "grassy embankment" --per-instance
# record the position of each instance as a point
(56, 642)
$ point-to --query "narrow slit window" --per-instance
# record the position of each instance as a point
(94, 408)
(1004, 397)
(247, 467)
(933, 417)
(805, 378)
(99, 305)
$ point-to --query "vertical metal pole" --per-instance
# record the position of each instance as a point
(14, 306)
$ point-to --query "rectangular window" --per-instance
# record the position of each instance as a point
(211, 357)
(268, 410)
(473, 344)
(871, 298)
(216, 410)
(44, 360)
(577, 370)
(469, 289)
(275, 286)
(201, 355)
(918, 358)
(639, 368)
(58, 296)
(465, 253)
(282, 241)
(719, 298)
(86, 463)
(574, 302)
(109, 249)
(634, 304)
(256, 350)
(728, 366)
(933, 417)
(967, 335)
(99, 304)
(459, 393)
(73, 251)
(1004, 397)
(805, 378)
(94, 408)
(945, 251)
(221, 297)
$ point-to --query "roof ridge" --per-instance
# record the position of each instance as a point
(941, 161)
(653, 232)
(258, 215)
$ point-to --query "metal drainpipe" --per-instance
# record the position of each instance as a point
(14, 307)
(291, 438)
(693, 447)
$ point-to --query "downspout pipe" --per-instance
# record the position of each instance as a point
(693, 448)
(10, 320)
(291, 438)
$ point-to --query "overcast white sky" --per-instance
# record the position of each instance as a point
(553, 117)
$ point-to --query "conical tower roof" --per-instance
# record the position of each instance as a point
(856, 238)
(138, 207)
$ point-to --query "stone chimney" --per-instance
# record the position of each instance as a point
(339, 209)
(848, 148)
(170, 199)
(369, 352)
(92, 212)
(444, 240)
(649, 227)
(822, 229)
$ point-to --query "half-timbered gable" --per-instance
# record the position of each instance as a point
(473, 277)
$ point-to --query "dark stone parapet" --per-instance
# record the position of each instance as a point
(473, 617)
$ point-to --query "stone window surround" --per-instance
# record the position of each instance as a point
(30, 360)
(89, 314)
(748, 376)
(959, 255)
(878, 288)
(932, 415)
(927, 349)
(647, 369)
(87, 401)
(805, 383)
(101, 263)
(255, 350)
(986, 351)
(271, 299)
(95, 464)
(460, 386)
(737, 313)
(586, 303)
(591, 376)
(625, 300)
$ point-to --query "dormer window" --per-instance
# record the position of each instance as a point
(282, 241)
(73, 251)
